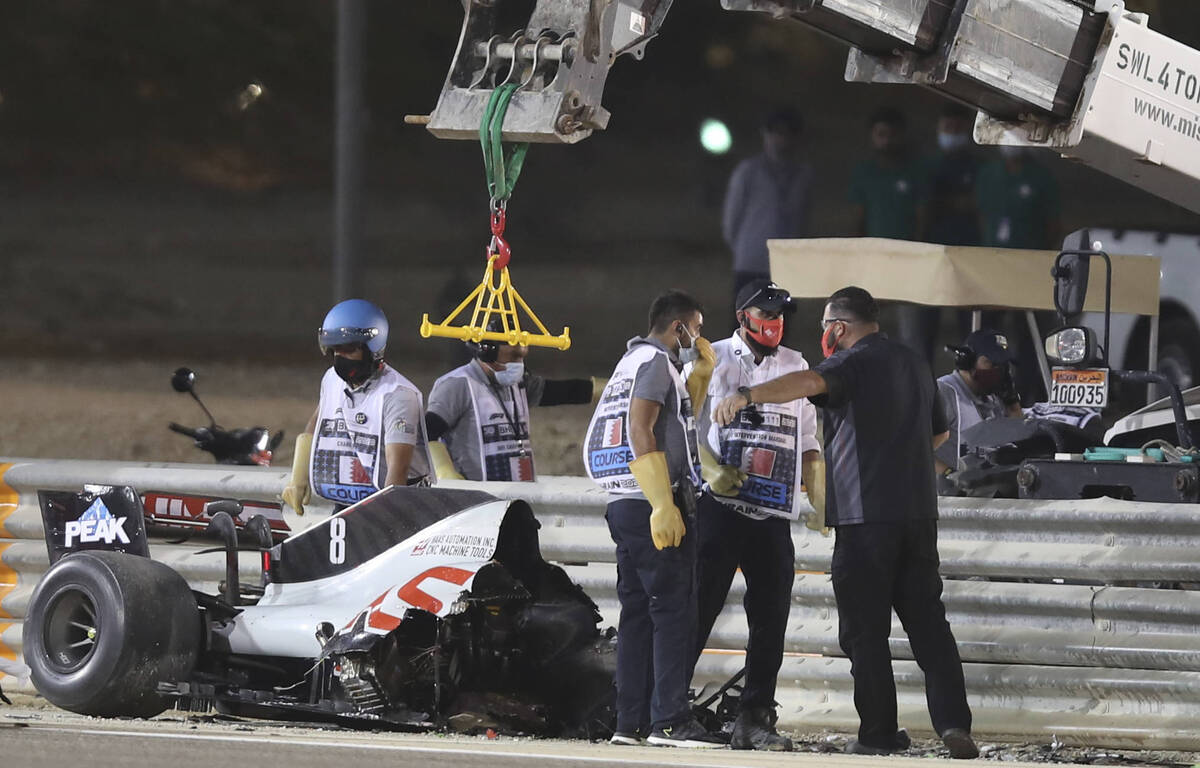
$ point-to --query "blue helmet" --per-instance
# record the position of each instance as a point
(354, 321)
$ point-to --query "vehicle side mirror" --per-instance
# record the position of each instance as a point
(1070, 274)
(183, 380)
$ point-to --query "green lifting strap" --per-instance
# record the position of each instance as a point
(502, 168)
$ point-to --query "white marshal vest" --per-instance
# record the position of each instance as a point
(606, 451)
(978, 411)
(505, 450)
(764, 441)
(345, 466)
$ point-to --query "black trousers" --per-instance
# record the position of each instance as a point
(878, 567)
(657, 591)
(764, 551)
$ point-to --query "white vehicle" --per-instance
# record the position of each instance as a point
(1179, 300)
(407, 609)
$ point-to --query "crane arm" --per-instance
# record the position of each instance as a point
(1085, 78)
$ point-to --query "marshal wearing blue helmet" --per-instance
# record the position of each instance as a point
(368, 431)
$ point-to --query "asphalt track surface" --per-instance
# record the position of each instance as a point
(41, 739)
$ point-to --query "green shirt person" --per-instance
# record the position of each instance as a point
(1018, 202)
(888, 191)
(888, 188)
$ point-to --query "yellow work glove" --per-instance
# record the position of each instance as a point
(297, 492)
(722, 479)
(666, 522)
(702, 371)
(598, 385)
(442, 465)
(813, 475)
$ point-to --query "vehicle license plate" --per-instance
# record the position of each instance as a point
(1087, 388)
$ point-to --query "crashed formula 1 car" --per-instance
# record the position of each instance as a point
(414, 608)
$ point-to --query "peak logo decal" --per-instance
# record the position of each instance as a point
(98, 517)
(96, 524)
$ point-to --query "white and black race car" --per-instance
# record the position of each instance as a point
(409, 609)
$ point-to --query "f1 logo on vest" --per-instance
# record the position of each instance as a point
(95, 524)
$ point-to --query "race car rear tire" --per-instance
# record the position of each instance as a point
(103, 629)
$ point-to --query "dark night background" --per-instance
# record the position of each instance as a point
(148, 208)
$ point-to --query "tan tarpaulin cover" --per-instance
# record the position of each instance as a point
(952, 276)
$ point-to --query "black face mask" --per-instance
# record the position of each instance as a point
(353, 372)
(989, 380)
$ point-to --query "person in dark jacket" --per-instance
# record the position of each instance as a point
(882, 422)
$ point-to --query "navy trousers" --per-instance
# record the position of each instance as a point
(764, 551)
(657, 590)
(877, 567)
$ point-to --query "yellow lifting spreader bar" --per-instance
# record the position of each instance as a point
(502, 301)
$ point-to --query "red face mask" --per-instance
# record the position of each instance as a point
(829, 342)
(769, 333)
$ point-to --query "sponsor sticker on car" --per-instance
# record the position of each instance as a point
(98, 517)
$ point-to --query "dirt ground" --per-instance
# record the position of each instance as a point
(34, 711)
(119, 410)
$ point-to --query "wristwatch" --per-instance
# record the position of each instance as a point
(745, 392)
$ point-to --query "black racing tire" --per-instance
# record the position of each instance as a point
(103, 629)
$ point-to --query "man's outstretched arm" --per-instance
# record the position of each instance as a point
(784, 389)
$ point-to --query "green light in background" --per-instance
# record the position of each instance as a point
(715, 136)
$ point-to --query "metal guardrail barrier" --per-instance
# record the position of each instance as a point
(1091, 653)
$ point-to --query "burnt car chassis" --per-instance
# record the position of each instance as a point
(413, 609)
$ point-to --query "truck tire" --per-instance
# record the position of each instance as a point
(1179, 351)
(103, 629)
(1178, 354)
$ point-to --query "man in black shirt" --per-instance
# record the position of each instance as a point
(882, 422)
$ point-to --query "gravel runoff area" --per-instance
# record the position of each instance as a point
(119, 410)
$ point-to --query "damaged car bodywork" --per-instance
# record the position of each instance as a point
(415, 608)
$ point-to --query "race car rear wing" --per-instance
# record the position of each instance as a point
(100, 517)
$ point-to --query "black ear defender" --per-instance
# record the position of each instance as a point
(484, 351)
(487, 351)
(964, 357)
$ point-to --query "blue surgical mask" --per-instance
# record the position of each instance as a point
(511, 375)
(688, 354)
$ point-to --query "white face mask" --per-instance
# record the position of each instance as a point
(512, 374)
(688, 354)
(948, 142)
